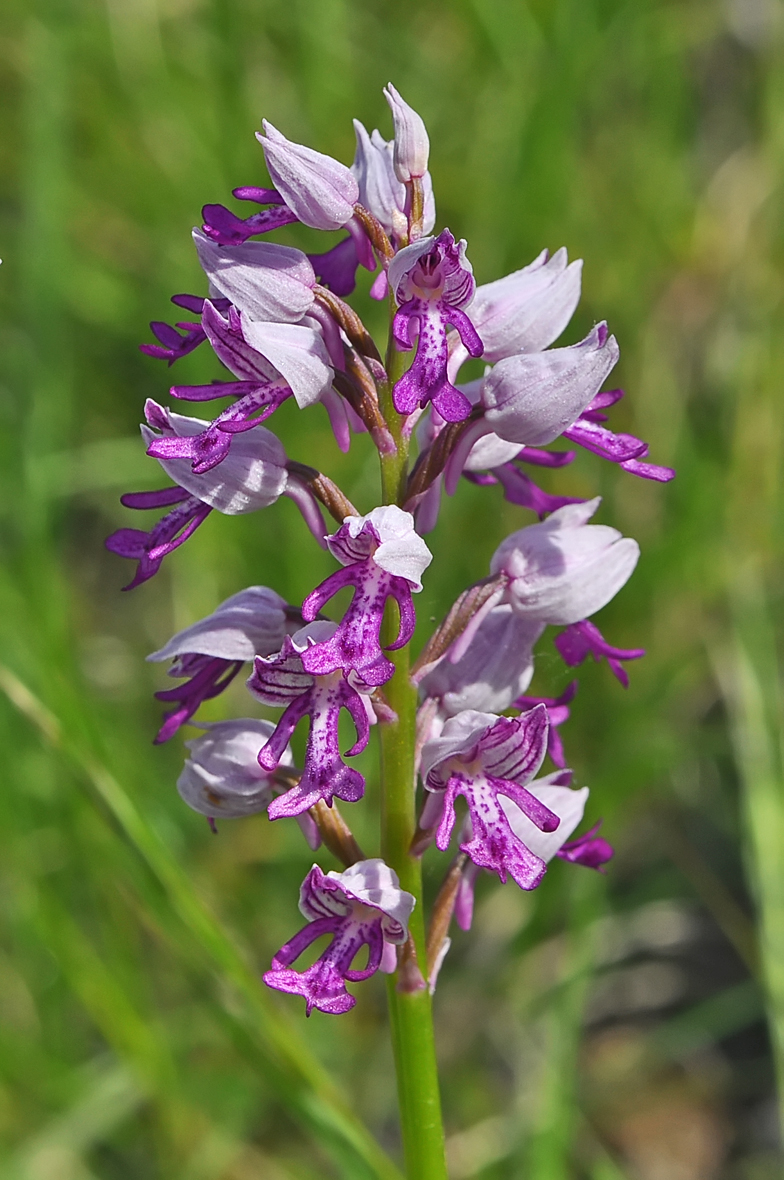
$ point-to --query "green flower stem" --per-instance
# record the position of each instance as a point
(410, 1007)
(409, 1000)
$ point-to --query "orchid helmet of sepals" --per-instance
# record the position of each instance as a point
(464, 720)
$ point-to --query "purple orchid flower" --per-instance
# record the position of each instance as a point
(554, 793)
(383, 558)
(253, 476)
(211, 652)
(557, 713)
(362, 906)
(584, 638)
(275, 361)
(432, 281)
(562, 570)
(283, 680)
(226, 229)
(482, 757)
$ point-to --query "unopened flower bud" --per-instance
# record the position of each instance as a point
(412, 146)
(321, 191)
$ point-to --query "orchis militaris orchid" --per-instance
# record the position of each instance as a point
(363, 906)
(277, 322)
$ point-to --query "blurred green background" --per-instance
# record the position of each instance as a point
(626, 1026)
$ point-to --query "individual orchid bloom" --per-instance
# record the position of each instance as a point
(584, 638)
(557, 714)
(563, 570)
(483, 757)
(226, 229)
(533, 397)
(494, 669)
(222, 778)
(176, 342)
(412, 146)
(276, 362)
(362, 906)
(380, 191)
(383, 557)
(265, 281)
(252, 476)
(557, 796)
(211, 652)
(321, 191)
(432, 281)
(283, 680)
(525, 311)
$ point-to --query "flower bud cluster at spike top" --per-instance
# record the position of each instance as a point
(279, 324)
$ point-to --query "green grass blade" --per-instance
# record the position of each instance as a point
(308, 1087)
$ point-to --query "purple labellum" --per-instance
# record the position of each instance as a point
(149, 549)
(282, 680)
(494, 845)
(589, 850)
(363, 906)
(337, 268)
(483, 757)
(384, 558)
(520, 489)
(435, 285)
(324, 984)
(208, 678)
(208, 449)
(173, 345)
(557, 713)
(624, 449)
(226, 229)
(356, 644)
(584, 638)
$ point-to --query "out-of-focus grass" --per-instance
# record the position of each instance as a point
(598, 1025)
